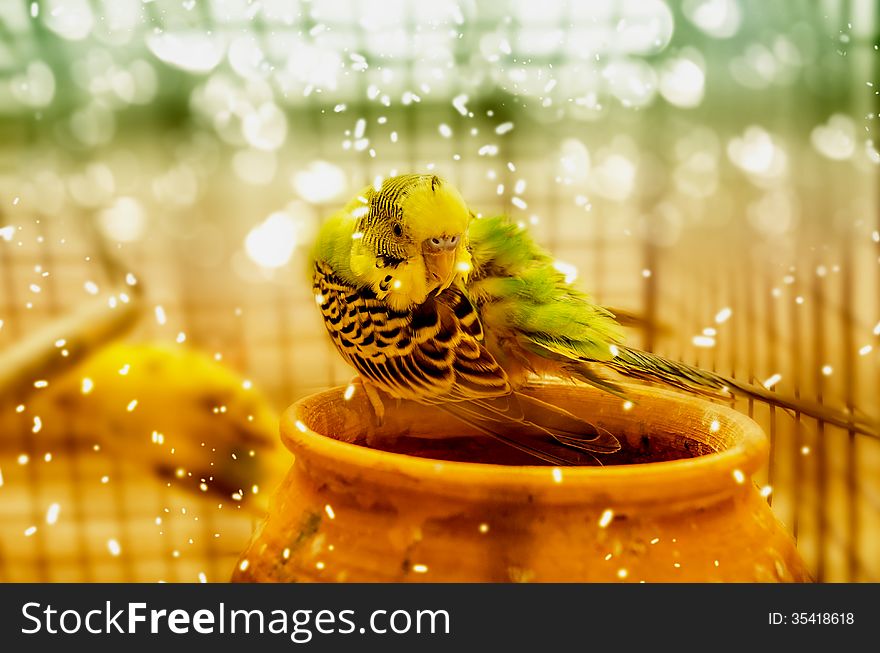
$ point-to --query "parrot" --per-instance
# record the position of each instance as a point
(433, 304)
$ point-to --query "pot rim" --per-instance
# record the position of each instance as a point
(706, 476)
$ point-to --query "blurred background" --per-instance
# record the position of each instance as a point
(708, 165)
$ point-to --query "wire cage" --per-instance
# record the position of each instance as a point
(707, 166)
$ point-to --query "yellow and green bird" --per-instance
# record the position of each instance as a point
(434, 305)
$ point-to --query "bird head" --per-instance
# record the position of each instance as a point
(409, 238)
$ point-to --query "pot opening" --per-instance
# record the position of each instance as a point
(659, 428)
(704, 450)
(481, 449)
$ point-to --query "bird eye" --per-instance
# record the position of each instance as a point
(397, 229)
(435, 242)
(453, 240)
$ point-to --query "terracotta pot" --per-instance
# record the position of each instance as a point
(349, 511)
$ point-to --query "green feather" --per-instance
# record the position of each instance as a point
(519, 291)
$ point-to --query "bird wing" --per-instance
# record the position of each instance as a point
(434, 354)
(430, 354)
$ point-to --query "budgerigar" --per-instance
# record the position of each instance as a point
(432, 304)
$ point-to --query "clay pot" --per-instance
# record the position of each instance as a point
(398, 504)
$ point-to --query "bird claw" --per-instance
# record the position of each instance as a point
(373, 397)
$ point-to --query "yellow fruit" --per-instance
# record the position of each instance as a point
(171, 407)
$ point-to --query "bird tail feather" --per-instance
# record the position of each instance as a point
(646, 366)
(543, 430)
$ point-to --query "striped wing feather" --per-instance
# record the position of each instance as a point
(432, 354)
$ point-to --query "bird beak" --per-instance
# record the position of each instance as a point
(440, 265)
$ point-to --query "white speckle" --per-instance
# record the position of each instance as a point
(349, 392)
(646, 273)
(569, 271)
(123, 371)
(738, 476)
(805, 450)
(503, 128)
(614, 350)
(773, 380)
(38, 425)
(329, 510)
(181, 337)
(300, 426)
(557, 475)
(703, 341)
(606, 517)
(420, 569)
(7, 232)
(91, 287)
(459, 102)
(627, 405)
(484, 528)
(202, 577)
(714, 426)
(286, 553)
(766, 491)
(864, 351)
(131, 405)
(52, 513)
(622, 573)
(161, 318)
(445, 130)
(655, 540)
(827, 370)
(488, 150)
(519, 203)
(244, 564)
(723, 315)
(30, 531)
(113, 547)
(87, 385)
